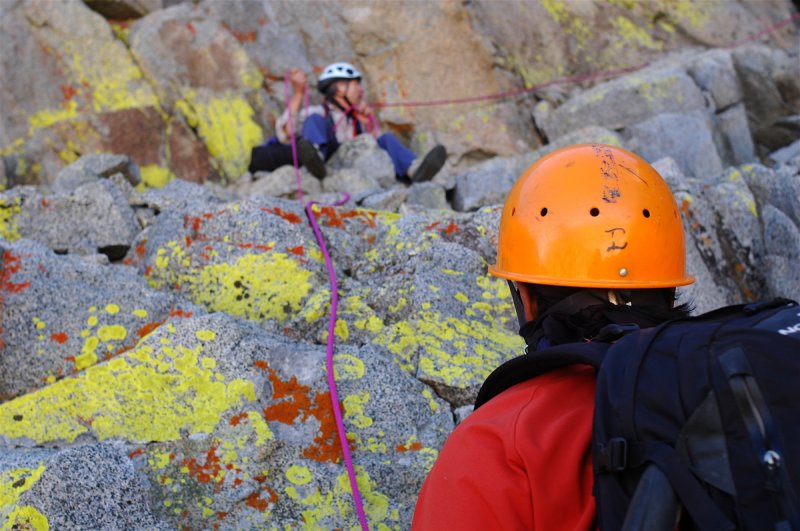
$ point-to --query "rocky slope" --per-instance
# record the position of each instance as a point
(162, 349)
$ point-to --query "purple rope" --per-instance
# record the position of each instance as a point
(337, 410)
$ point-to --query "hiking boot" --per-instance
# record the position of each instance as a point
(429, 166)
(310, 158)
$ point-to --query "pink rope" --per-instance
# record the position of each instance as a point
(337, 410)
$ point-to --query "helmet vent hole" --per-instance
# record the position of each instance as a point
(513, 211)
(646, 213)
(544, 212)
(594, 212)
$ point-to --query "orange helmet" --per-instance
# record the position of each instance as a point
(591, 216)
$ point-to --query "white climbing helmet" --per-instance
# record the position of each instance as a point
(335, 72)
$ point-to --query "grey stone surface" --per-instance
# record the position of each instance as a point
(625, 101)
(94, 217)
(787, 155)
(782, 246)
(684, 137)
(363, 155)
(488, 183)
(280, 183)
(778, 187)
(713, 72)
(756, 66)
(428, 195)
(89, 168)
(732, 136)
(389, 200)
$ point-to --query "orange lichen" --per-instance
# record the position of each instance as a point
(59, 337)
(451, 228)
(11, 266)
(291, 217)
(294, 401)
(206, 471)
(260, 504)
(235, 420)
(414, 447)
(149, 327)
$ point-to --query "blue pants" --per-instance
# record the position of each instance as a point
(319, 131)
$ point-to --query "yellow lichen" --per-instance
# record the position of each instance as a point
(13, 483)
(9, 219)
(152, 393)
(154, 176)
(227, 127)
(277, 286)
(432, 338)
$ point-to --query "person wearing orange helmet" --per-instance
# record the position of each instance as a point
(343, 115)
(589, 236)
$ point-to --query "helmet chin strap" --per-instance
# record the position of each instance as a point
(518, 306)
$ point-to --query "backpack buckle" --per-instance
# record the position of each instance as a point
(614, 455)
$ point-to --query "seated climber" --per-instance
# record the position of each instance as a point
(342, 116)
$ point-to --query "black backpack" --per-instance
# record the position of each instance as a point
(709, 405)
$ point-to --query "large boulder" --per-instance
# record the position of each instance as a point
(62, 314)
(78, 91)
(204, 75)
(771, 84)
(625, 101)
(231, 426)
(259, 260)
(93, 218)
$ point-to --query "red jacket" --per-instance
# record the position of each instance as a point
(521, 461)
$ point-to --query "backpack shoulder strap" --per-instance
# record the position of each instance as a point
(527, 366)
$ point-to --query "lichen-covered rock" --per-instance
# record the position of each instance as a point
(233, 426)
(628, 100)
(61, 315)
(704, 256)
(74, 90)
(201, 71)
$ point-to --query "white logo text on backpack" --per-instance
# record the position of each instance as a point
(793, 329)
